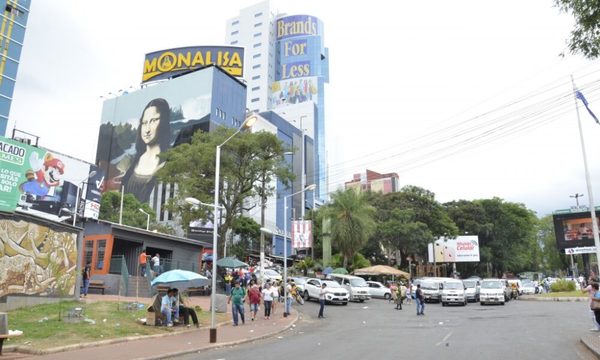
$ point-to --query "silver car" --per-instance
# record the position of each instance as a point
(472, 291)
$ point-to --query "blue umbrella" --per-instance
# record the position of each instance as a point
(181, 279)
(328, 270)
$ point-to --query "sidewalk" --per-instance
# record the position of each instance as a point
(167, 345)
(592, 342)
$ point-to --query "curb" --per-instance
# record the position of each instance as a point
(557, 299)
(593, 349)
(221, 345)
(24, 349)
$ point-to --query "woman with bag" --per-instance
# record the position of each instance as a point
(595, 302)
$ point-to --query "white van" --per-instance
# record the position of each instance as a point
(357, 287)
(453, 291)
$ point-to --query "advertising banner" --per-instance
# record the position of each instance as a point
(581, 250)
(165, 64)
(573, 229)
(302, 234)
(294, 91)
(138, 126)
(461, 249)
(40, 181)
(297, 25)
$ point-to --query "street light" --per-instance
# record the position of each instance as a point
(147, 220)
(308, 188)
(213, 326)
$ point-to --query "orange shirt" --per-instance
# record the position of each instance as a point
(143, 259)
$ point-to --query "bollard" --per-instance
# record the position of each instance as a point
(3, 323)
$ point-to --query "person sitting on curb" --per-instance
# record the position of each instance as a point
(169, 308)
(186, 311)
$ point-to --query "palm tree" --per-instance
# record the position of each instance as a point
(351, 221)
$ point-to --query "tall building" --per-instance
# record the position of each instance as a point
(287, 66)
(375, 182)
(12, 34)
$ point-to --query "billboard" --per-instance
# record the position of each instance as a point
(138, 126)
(297, 25)
(573, 229)
(461, 249)
(302, 234)
(165, 64)
(43, 182)
(294, 91)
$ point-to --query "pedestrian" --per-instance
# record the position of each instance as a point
(420, 299)
(409, 290)
(322, 300)
(591, 290)
(267, 296)
(143, 261)
(596, 299)
(275, 295)
(85, 275)
(237, 299)
(228, 279)
(156, 264)
(253, 298)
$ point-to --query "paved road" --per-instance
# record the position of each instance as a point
(518, 330)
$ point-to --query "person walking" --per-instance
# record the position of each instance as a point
(143, 260)
(253, 298)
(156, 264)
(595, 299)
(322, 293)
(420, 299)
(591, 290)
(85, 275)
(267, 295)
(227, 279)
(409, 291)
(237, 298)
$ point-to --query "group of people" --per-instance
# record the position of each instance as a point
(173, 305)
(254, 295)
(154, 261)
(404, 292)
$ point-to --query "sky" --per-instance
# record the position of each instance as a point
(468, 99)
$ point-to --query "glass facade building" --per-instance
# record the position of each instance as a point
(12, 34)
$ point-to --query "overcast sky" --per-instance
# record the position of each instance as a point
(468, 99)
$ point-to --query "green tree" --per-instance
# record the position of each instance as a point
(248, 231)
(110, 205)
(245, 160)
(585, 37)
(551, 259)
(351, 222)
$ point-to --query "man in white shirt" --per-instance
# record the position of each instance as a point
(169, 307)
(322, 293)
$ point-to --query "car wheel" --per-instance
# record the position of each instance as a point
(345, 303)
(362, 300)
(502, 304)
(387, 296)
(481, 303)
(465, 303)
(306, 296)
(443, 303)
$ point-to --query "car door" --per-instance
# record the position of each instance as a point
(375, 289)
(312, 286)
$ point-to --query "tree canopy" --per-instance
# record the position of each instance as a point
(585, 37)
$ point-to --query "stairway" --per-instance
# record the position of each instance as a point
(143, 288)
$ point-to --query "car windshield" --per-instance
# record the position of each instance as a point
(470, 283)
(299, 281)
(332, 284)
(358, 282)
(453, 285)
(430, 285)
(491, 285)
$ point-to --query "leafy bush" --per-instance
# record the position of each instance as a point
(562, 285)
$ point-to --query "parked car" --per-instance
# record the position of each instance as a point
(378, 290)
(269, 274)
(472, 291)
(334, 292)
(527, 287)
(492, 291)
(300, 281)
(357, 287)
(431, 288)
(453, 292)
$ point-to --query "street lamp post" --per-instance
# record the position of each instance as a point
(308, 188)
(213, 326)
(147, 219)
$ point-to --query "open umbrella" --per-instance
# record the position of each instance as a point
(328, 270)
(340, 271)
(181, 279)
(231, 262)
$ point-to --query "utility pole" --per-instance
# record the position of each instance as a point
(576, 196)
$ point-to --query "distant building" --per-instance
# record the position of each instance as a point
(375, 182)
(12, 34)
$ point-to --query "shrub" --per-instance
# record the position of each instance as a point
(562, 285)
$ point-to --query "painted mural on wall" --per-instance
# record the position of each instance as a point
(36, 260)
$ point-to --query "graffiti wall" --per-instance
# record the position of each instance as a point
(36, 260)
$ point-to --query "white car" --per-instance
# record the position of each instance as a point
(377, 289)
(492, 291)
(269, 274)
(300, 282)
(527, 287)
(334, 292)
(453, 291)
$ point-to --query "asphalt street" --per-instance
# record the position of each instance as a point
(518, 330)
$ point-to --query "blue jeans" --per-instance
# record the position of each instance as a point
(288, 305)
(169, 314)
(267, 304)
(420, 307)
(227, 289)
(235, 309)
(86, 286)
(322, 303)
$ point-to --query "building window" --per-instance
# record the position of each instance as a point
(235, 32)
(255, 100)
(234, 42)
(258, 14)
(255, 56)
(258, 24)
(13, 10)
(256, 77)
(257, 34)
(235, 22)
(256, 66)
(256, 88)
(256, 45)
